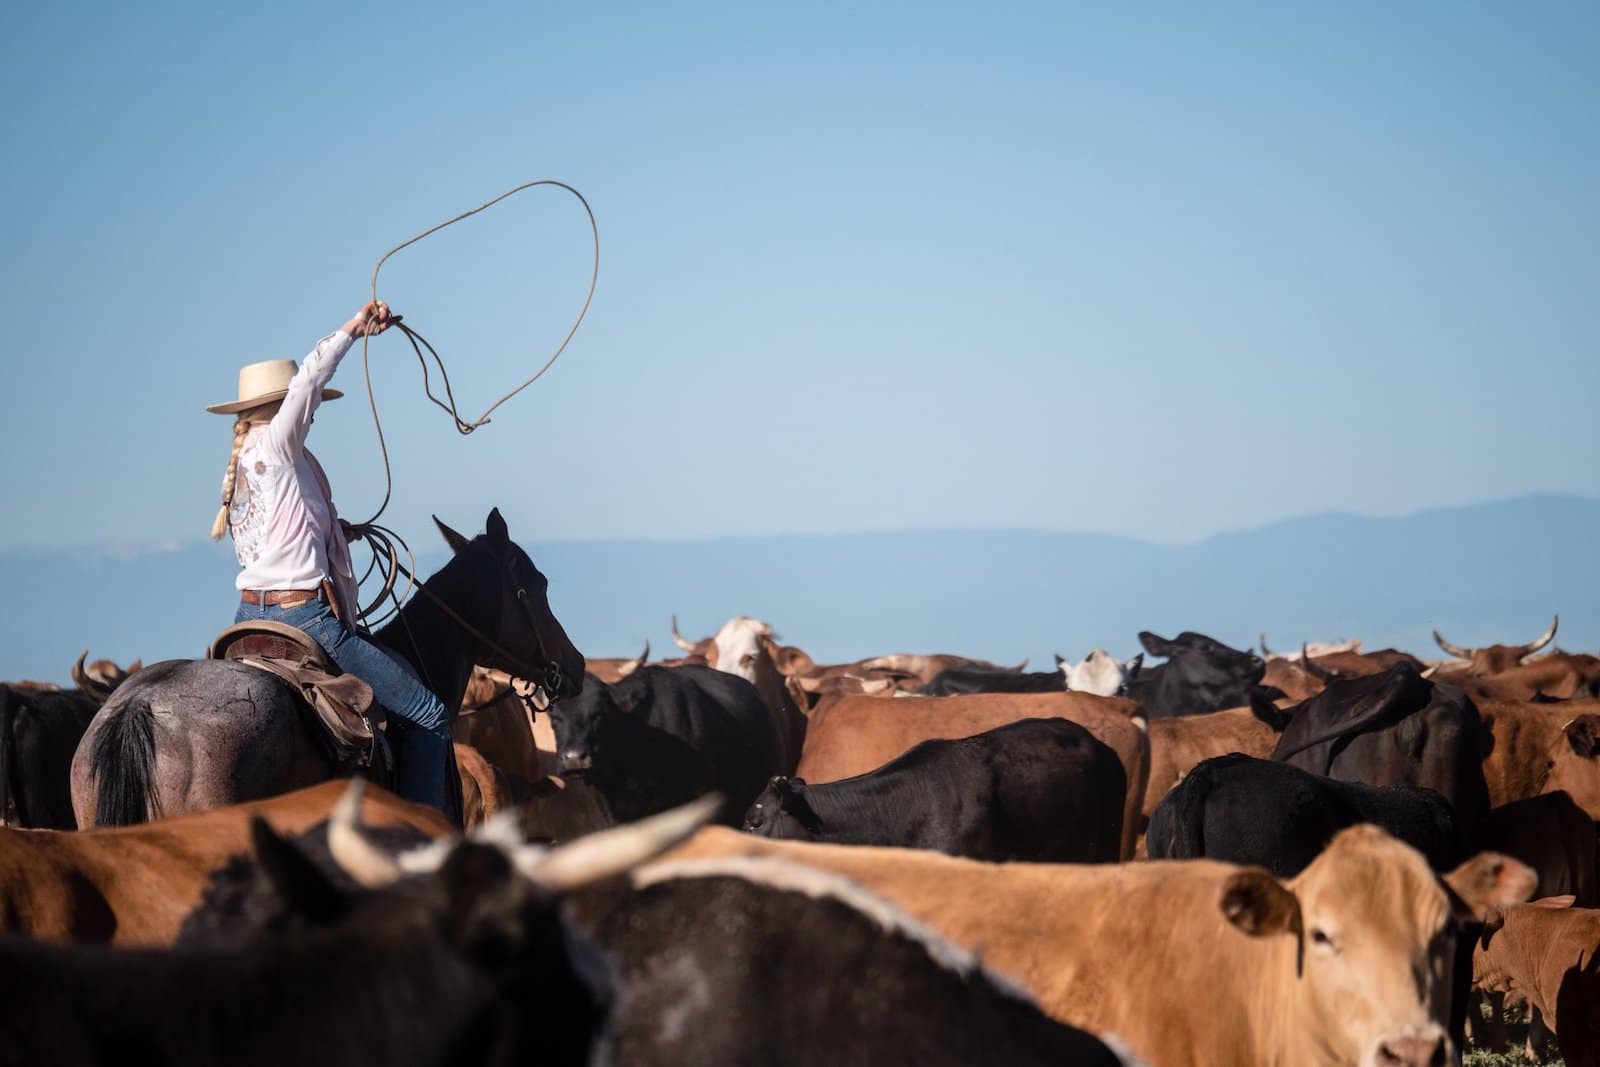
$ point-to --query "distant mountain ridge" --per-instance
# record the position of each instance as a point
(1481, 573)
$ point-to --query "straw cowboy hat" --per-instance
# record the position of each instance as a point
(262, 383)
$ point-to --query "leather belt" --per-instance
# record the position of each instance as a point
(280, 598)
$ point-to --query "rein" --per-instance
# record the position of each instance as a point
(551, 676)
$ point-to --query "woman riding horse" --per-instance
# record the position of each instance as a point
(294, 559)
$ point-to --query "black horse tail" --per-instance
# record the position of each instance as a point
(10, 810)
(122, 762)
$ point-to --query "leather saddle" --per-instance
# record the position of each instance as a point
(352, 720)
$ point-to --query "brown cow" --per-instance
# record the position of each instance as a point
(613, 670)
(503, 728)
(1198, 962)
(1492, 659)
(1546, 951)
(1540, 748)
(1177, 744)
(857, 734)
(133, 885)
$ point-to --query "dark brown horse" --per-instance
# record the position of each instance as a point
(189, 735)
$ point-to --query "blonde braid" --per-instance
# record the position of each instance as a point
(241, 427)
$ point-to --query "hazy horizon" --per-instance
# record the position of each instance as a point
(1487, 573)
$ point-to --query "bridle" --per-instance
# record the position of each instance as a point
(551, 676)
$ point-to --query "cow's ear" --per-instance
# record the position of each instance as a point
(1262, 707)
(1130, 669)
(1156, 646)
(1060, 663)
(299, 883)
(495, 527)
(1259, 904)
(1486, 881)
(1583, 734)
(451, 538)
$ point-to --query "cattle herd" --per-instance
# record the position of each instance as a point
(742, 856)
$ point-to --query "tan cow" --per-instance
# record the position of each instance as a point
(1177, 744)
(1196, 962)
(1541, 748)
(857, 734)
(133, 885)
(1546, 951)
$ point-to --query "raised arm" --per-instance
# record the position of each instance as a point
(286, 434)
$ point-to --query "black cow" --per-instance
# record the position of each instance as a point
(39, 732)
(1201, 675)
(469, 962)
(1392, 728)
(1245, 810)
(762, 961)
(958, 681)
(1043, 790)
(664, 736)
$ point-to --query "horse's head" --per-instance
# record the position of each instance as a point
(509, 604)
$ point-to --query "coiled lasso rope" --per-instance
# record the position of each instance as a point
(380, 539)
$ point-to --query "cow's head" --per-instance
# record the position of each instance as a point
(1574, 763)
(1370, 937)
(479, 917)
(1493, 659)
(732, 649)
(585, 729)
(1205, 661)
(1101, 673)
(782, 802)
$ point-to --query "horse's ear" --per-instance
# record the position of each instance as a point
(451, 538)
(495, 525)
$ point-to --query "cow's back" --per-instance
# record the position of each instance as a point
(133, 885)
(1078, 938)
(857, 734)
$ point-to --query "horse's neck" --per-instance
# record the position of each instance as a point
(440, 649)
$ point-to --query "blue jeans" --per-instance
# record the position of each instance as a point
(419, 723)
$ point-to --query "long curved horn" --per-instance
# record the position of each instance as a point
(608, 853)
(89, 684)
(681, 641)
(1313, 668)
(79, 676)
(1538, 643)
(1455, 650)
(369, 865)
(634, 664)
(1265, 651)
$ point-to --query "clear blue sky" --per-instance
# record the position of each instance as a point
(929, 265)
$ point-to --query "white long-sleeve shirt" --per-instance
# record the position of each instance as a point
(285, 530)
